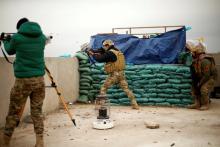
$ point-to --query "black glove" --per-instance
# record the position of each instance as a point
(8, 37)
(89, 52)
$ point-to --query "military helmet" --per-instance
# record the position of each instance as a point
(108, 42)
(196, 46)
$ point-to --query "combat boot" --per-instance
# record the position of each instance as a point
(134, 104)
(204, 107)
(6, 141)
(206, 104)
(1, 139)
(196, 105)
(39, 141)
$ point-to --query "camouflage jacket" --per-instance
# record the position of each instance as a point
(204, 69)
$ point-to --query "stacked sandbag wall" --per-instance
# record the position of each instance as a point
(85, 81)
(152, 84)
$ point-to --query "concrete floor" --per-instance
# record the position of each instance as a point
(179, 127)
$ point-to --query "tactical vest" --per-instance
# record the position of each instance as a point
(118, 65)
(213, 69)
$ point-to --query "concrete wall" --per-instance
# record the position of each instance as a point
(65, 74)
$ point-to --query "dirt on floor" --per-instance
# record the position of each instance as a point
(179, 127)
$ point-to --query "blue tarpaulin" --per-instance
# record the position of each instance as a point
(162, 49)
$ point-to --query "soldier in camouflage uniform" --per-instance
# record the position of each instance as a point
(29, 68)
(204, 74)
(114, 67)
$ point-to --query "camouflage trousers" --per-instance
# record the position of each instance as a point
(202, 94)
(205, 89)
(117, 78)
(34, 88)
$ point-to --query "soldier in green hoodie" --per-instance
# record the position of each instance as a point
(29, 68)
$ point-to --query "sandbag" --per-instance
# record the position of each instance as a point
(82, 80)
(83, 98)
(112, 90)
(136, 84)
(144, 72)
(98, 66)
(131, 68)
(169, 68)
(168, 91)
(81, 56)
(187, 75)
(85, 74)
(135, 77)
(94, 91)
(130, 72)
(84, 88)
(162, 76)
(148, 95)
(164, 95)
(137, 95)
(125, 103)
(183, 70)
(85, 84)
(164, 85)
(157, 81)
(143, 82)
(122, 100)
(152, 90)
(148, 76)
(185, 90)
(118, 95)
(175, 81)
(179, 77)
(96, 71)
(91, 96)
(153, 67)
(83, 61)
(147, 86)
(85, 69)
(182, 86)
(156, 100)
(114, 101)
(185, 58)
(186, 80)
(110, 96)
(141, 100)
(86, 77)
(173, 101)
(84, 65)
(102, 77)
(187, 101)
(139, 91)
(179, 96)
(97, 86)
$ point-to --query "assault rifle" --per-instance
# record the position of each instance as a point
(7, 37)
(86, 48)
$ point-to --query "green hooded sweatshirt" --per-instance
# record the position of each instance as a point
(28, 45)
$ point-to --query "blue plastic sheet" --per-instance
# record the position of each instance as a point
(162, 49)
